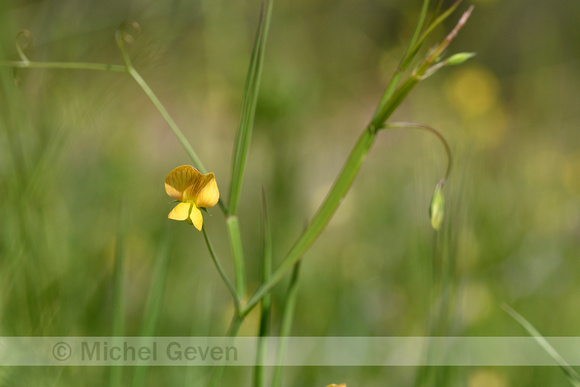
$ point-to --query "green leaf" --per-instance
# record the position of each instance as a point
(249, 103)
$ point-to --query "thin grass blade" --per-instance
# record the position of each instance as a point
(569, 371)
(118, 328)
(250, 99)
(286, 325)
(265, 305)
(153, 309)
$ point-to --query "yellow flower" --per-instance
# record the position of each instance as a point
(194, 190)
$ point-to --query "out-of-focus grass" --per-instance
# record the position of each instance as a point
(75, 146)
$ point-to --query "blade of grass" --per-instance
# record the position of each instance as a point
(265, 305)
(156, 293)
(385, 111)
(412, 48)
(407, 58)
(118, 328)
(569, 371)
(286, 325)
(233, 329)
(235, 237)
(243, 141)
(438, 20)
(249, 102)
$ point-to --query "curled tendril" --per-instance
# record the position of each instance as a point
(127, 32)
(123, 35)
(23, 41)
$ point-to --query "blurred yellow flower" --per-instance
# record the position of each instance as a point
(337, 385)
(194, 190)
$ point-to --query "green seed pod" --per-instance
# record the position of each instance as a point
(457, 59)
(437, 207)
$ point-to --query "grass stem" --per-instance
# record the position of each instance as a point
(237, 256)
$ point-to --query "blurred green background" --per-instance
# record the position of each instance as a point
(84, 155)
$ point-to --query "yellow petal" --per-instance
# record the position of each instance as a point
(208, 194)
(181, 211)
(195, 217)
(179, 180)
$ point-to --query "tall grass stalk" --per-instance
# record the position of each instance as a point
(570, 373)
(243, 141)
(119, 307)
(155, 300)
(286, 324)
(266, 304)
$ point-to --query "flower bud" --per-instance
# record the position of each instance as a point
(437, 207)
(459, 58)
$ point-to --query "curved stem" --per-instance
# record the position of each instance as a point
(416, 125)
(120, 37)
(220, 269)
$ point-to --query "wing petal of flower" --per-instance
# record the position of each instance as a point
(180, 211)
(195, 217)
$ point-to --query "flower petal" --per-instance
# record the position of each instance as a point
(195, 217)
(208, 193)
(179, 180)
(180, 211)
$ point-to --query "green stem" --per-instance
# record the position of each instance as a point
(220, 269)
(237, 255)
(265, 305)
(435, 132)
(217, 371)
(120, 38)
(322, 217)
(394, 101)
(155, 300)
(119, 307)
(63, 65)
(410, 53)
(286, 325)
